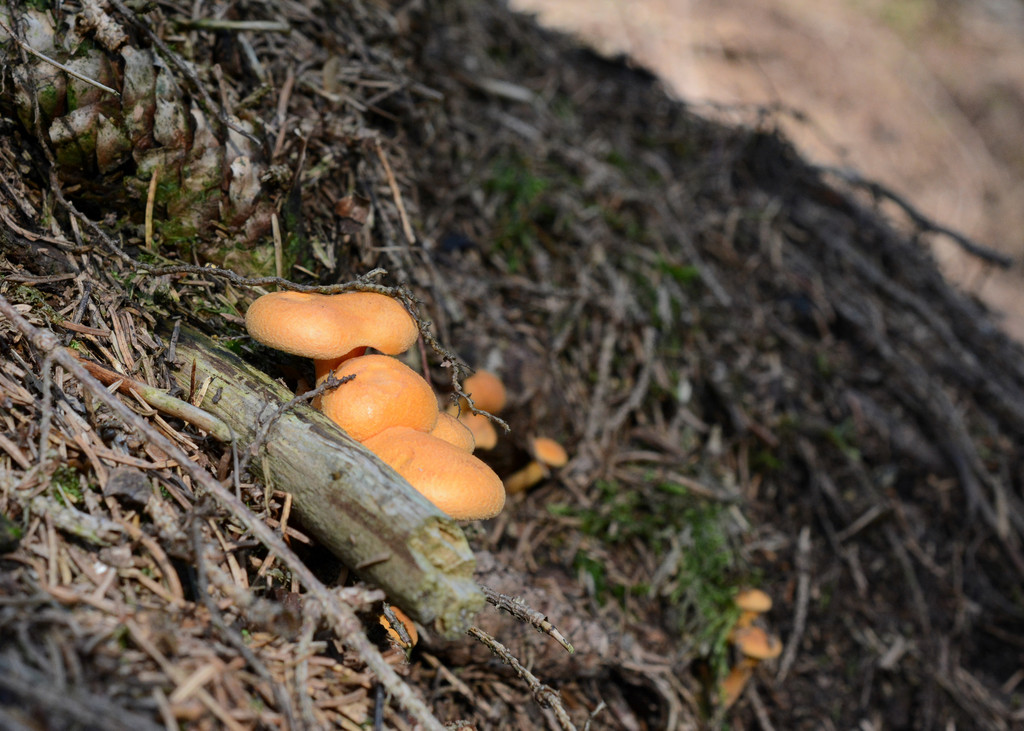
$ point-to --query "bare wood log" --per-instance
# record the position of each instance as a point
(356, 506)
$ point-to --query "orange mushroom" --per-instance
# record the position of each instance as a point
(735, 682)
(546, 453)
(458, 483)
(486, 390)
(384, 393)
(751, 603)
(488, 394)
(394, 635)
(454, 432)
(755, 645)
(330, 327)
(485, 436)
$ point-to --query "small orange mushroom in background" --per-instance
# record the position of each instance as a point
(546, 453)
(735, 683)
(751, 603)
(486, 390)
(485, 436)
(755, 645)
(458, 483)
(385, 393)
(488, 394)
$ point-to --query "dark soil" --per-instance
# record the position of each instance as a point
(759, 379)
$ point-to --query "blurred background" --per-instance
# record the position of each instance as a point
(923, 96)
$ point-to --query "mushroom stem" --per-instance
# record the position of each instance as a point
(736, 682)
(525, 478)
(323, 367)
(746, 619)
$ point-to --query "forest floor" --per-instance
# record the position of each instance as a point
(923, 97)
(758, 369)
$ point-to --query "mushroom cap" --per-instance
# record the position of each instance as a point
(487, 391)
(549, 452)
(455, 481)
(325, 326)
(385, 393)
(754, 642)
(454, 432)
(485, 436)
(410, 628)
(753, 600)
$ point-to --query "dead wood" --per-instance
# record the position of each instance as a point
(346, 498)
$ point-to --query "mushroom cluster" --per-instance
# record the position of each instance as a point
(488, 394)
(752, 643)
(387, 406)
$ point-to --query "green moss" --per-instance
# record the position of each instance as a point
(763, 460)
(594, 568)
(684, 274)
(707, 582)
(233, 344)
(563, 108)
(25, 295)
(10, 534)
(520, 205)
(67, 487)
(80, 151)
(122, 637)
(178, 234)
(49, 100)
(665, 516)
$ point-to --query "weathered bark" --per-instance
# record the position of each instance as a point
(356, 506)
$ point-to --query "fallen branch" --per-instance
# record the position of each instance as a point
(355, 506)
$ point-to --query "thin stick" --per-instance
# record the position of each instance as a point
(162, 401)
(522, 611)
(396, 193)
(545, 695)
(342, 618)
(759, 709)
(237, 26)
(803, 593)
(150, 200)
(275, 226)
